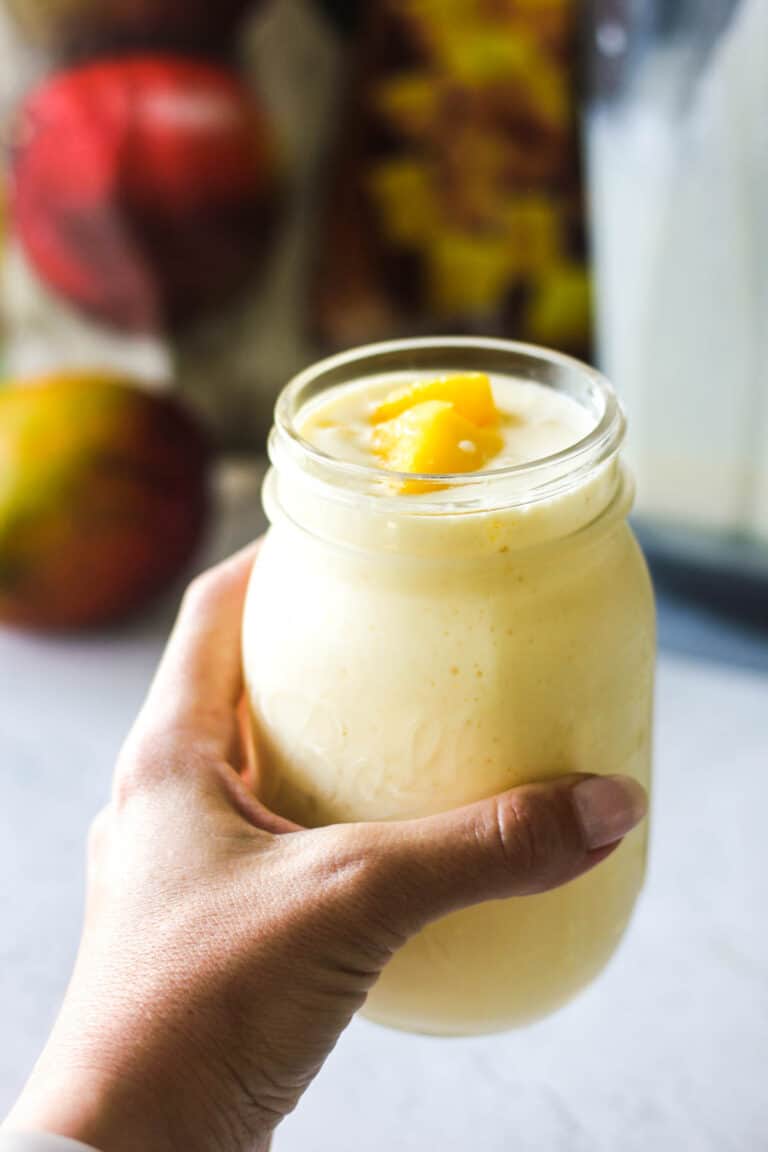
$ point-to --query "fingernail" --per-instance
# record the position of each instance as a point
(608, 807)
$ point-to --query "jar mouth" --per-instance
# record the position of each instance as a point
(509, 486)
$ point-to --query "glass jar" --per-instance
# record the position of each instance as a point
(409, 654)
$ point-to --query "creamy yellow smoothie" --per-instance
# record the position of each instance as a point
(411, 646)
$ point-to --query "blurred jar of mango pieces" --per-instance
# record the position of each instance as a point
(457, 200)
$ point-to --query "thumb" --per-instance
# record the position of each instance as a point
(525, 841)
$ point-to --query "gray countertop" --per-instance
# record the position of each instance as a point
(667, 1051)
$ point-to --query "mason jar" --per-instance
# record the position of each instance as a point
(406, 655)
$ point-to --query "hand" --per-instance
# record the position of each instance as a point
(224, 949)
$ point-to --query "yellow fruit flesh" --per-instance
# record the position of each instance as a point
(433, 439)
(470, 394)
(438, 428)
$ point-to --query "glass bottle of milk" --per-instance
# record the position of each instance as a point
(678, 158)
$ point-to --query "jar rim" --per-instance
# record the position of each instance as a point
(523, 483)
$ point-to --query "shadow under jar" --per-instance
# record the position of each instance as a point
(407, 653)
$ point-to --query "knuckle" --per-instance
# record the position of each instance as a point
(153, 759)
(514, 836)
(534, 833)
(200, 591)
(136, 774)
(98, 832)
(129, 780)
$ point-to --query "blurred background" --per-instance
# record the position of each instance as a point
(197, 205)
(198, 199)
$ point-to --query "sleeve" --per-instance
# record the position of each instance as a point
(39, 1142)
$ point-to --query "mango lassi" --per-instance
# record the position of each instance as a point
(411, 646)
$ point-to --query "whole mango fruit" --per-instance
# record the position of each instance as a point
(103, 497)
(144, 188)
(84, 25)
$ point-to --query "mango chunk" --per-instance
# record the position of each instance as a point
(433, 438)
(469, 393)
(560, 312)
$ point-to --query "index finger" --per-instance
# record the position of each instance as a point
(199, 682)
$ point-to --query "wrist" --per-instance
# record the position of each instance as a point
(62, 1099)
(111, 1111)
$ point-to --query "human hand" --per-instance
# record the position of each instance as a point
(224, 949)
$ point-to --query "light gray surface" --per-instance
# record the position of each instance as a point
(668, 1051)
(39, 1142)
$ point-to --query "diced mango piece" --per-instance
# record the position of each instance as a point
(433, 438)
(560, 312)
(403, 195)
(410, 102)
(467, 274)
(470, 394)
